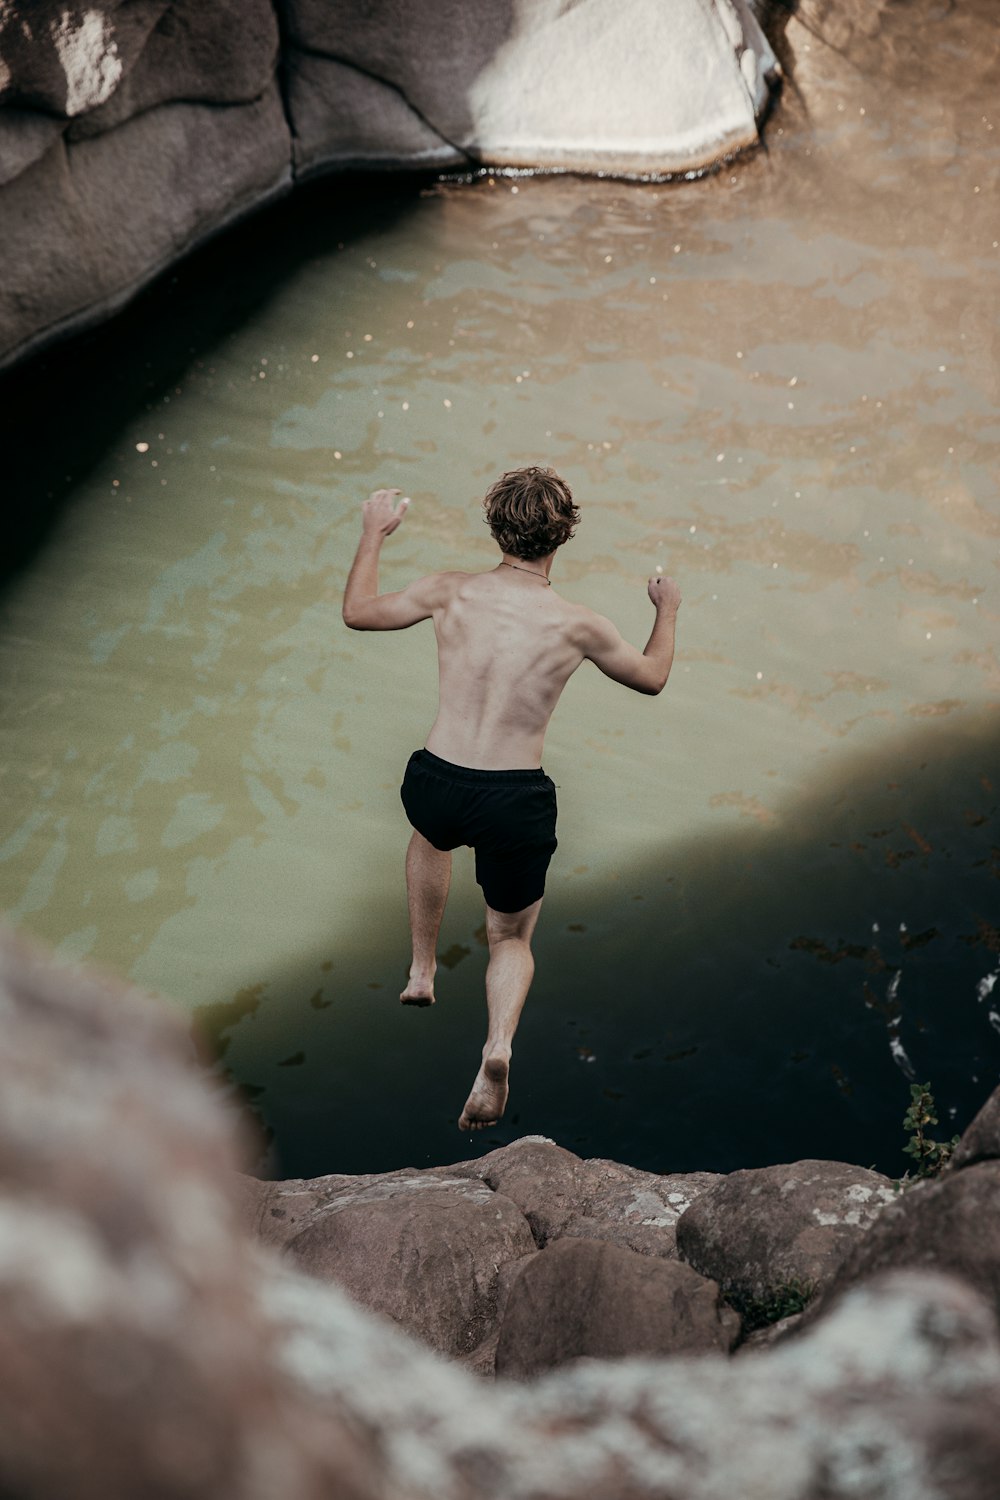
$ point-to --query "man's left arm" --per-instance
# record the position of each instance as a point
(364, 608)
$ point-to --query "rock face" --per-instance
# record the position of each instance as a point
(437, 1250)
(127, 132)
(560, 1194)
(424, 1251)
(135, 1357)
(132, 129)
(151, 1346)
(587, 1298)
(981, 1140)
(527, 83)
(948, 1225)
(760, 1231)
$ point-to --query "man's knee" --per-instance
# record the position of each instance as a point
(503, 925)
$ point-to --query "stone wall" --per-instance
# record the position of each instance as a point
(130, 130)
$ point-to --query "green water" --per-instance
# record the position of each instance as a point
(775, 896)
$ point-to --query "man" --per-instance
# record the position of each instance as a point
(507, 645)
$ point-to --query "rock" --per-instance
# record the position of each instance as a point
(131, 130)
(587, 1298)
(767, 1229)
(158, 132)
(769, 1334)
(981, 1140)
(150, 1347)
(949, 1224)
(894, 1395)
(642, 89)
(135, 1357)
(88, 223)
(424, 1251)
(347, 119)
(560, 1194)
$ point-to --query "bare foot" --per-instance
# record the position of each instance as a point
(488, 1099)
(419, 990)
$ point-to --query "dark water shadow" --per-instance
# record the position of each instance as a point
(63, 409)
(754, 995)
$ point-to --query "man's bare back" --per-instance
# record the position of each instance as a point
(507, 644)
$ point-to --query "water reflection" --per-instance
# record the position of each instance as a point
(781, 384)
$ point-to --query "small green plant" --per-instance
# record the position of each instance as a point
(930, 1155)
(780, 1302)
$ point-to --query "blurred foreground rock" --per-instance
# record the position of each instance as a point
(150, 1346)
(132, 129)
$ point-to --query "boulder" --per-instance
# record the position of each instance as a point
(981, 1139)
(424, 1251)
(563, 1195)
(135, 1356)
(948, 1224)
(766, 1231)
(589, 87)
(587, 1298)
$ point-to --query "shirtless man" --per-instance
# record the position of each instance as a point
(507, 644)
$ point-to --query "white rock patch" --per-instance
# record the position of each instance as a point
(88, 53)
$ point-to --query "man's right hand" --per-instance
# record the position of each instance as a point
(664, 592)
(381, 515)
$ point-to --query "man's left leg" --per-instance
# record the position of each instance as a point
(508, 979)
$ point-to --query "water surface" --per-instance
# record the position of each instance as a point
(775, 897)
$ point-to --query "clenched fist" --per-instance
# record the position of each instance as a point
(664, 592)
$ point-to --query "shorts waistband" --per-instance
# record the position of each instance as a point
(452, 772)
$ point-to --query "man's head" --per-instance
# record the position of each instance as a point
(530, 512)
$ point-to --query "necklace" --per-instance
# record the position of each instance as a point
(527, 570)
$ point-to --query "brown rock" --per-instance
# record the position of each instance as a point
(951, 1224)
(981, 1140)
(582, 1298)
(424, 1251)
(135, 1357)
(563, 1195)
(757, 1231)
(148, 1348)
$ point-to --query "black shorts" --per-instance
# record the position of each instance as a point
(508, 817)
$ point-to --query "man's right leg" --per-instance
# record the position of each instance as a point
(428, 876)
(508, 978)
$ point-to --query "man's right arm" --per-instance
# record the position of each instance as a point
(645, 671)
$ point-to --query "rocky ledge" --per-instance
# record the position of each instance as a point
(171, 1326)
(130, 130)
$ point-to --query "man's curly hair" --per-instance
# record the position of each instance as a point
(530, 512)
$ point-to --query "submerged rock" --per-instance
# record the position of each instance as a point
(130, 130)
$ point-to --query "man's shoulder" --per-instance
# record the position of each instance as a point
(588, 628)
